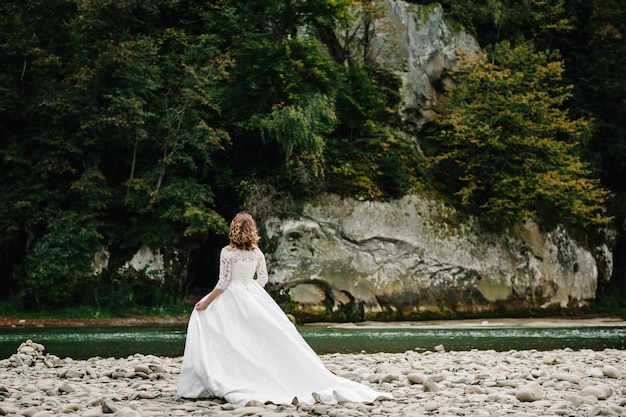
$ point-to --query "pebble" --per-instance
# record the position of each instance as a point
(530, 392)
(612, 372)
(423, 383)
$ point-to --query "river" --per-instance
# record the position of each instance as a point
(121, 341)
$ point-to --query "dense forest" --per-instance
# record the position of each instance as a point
(132, 122)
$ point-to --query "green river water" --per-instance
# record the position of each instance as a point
(85, 342)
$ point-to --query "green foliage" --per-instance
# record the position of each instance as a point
(268, 75)
(178, 308)
(596, 57)
(298, 129)
(58, 268)
(382, 166)
(505, 146)
(280, 20)
(367, 97)
(127, 292)
(112, 117)
(369, 156)
(497, 20)
(304, 97)
(589, 36)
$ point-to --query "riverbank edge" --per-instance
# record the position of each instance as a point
(137, 321)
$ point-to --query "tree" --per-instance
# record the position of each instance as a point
(111, 118)
(58, 268)
(298, 129)
(505, 146)
(286, 55)
(518, 22)
(596, 57)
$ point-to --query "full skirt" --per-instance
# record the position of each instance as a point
(243, 347)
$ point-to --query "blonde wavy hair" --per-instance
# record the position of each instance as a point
(243, 233)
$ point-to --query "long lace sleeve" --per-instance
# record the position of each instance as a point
(261, 270)
(226, 270)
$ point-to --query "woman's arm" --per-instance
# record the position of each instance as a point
(261, 269)
(222, 283)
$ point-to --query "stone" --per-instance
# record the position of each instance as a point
(416, 378)
(473, 389)
(506, 383)
(146, 395)
(66, 388)
(74, 374)
(590, 400)
(31, 388)
(145, 368)
(30, 411)
(389, 378)
(575, 400)
(467, 386)
(92, 412)
(71, 407)
(601, 392)
(602, 410)
(611, 372)
(29, 350)
(109, 406)
(157, 369)
(6, 409)
(562, 376)
(431, 406)
(4, 392)
(561, 405)
(351, 375)
(530, 392)
(431, 386)
(127, 412)
(252, 406)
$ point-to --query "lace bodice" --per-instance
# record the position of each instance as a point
(240, 266)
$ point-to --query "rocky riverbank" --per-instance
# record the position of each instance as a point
(435, 383)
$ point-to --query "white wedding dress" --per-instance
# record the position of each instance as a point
(243, 347)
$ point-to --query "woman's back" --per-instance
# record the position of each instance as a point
(239, 266)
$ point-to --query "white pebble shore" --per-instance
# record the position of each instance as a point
(524, 383)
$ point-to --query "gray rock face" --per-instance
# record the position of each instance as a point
(414, 255)
(429, 47)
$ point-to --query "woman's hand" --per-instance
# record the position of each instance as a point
(208, 299)
(202, 304)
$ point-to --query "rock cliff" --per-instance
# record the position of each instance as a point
(415, 255)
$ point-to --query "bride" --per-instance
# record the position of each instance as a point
(241, 346)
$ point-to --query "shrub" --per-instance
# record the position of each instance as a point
(59, 266)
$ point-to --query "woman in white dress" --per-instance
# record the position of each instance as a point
(241, 346)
